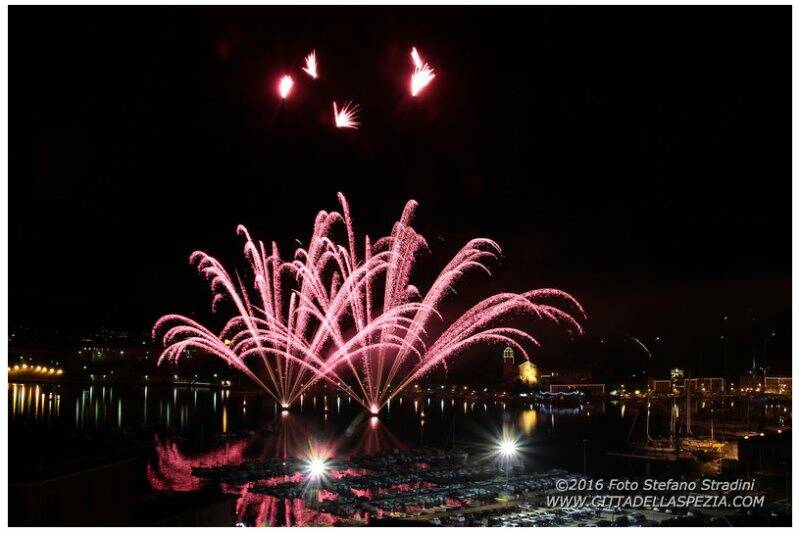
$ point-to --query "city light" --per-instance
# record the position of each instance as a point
(38, 369)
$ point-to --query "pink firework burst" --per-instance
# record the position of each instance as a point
(423, 73)
(347, 312)
(285, 86)
(311, 65)
(346, 116)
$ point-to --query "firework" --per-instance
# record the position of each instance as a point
(423, 73)
(346, 116)
(640, 343)
(311, 65)
(352, 319)
(285, 86)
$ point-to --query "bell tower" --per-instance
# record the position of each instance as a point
(509, 368)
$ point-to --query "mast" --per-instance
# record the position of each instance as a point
(688, 411)
(712, 424)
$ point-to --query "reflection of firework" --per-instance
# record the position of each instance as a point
(336, 315)
(374, 437)
(172, 469)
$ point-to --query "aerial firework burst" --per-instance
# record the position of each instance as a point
(285, 86)
(346, 116)
(311, 65)
(352, 319)
(423, 73)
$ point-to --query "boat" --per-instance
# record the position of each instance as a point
(651, 445)
(702, 448)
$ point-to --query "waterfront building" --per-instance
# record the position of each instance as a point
(676, 376)
(751, 383)
(712, 385)
(509, 367)
(660, 386)
(778, 385)
(590, 389)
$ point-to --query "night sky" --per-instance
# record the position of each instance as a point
(636, 157)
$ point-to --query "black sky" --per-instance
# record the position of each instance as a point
(637, 157)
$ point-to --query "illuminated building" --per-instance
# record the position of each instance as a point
(751, 383)
(676, 376)
(712, 385)
(563, 377)
(778, 385)
(509, 368)
(590, 389)
(528, 373)
(660, 386)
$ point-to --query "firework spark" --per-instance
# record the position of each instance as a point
(311, 65)
(346, 116)
(423, 73)
(285, 86)
(352, 319)
(416, 58)
(640, 343)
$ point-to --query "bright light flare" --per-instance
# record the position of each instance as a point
(346, 116)
(507, 447)
(423, 73)
(416, 58)
(285, 86)
(311, 65)
(316, 467)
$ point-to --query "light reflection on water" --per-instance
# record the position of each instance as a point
(33, 404)
(189, 410)
(225, 427)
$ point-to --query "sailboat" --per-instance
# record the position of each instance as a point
(702, 448)
(651, 445)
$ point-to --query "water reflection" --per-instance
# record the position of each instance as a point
(527, 421)
(196, 427)
(31, 403)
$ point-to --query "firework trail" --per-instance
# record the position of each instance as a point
(423, 73)
(346, 116)
(640, 343)
(311, 65)
(352, 319)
